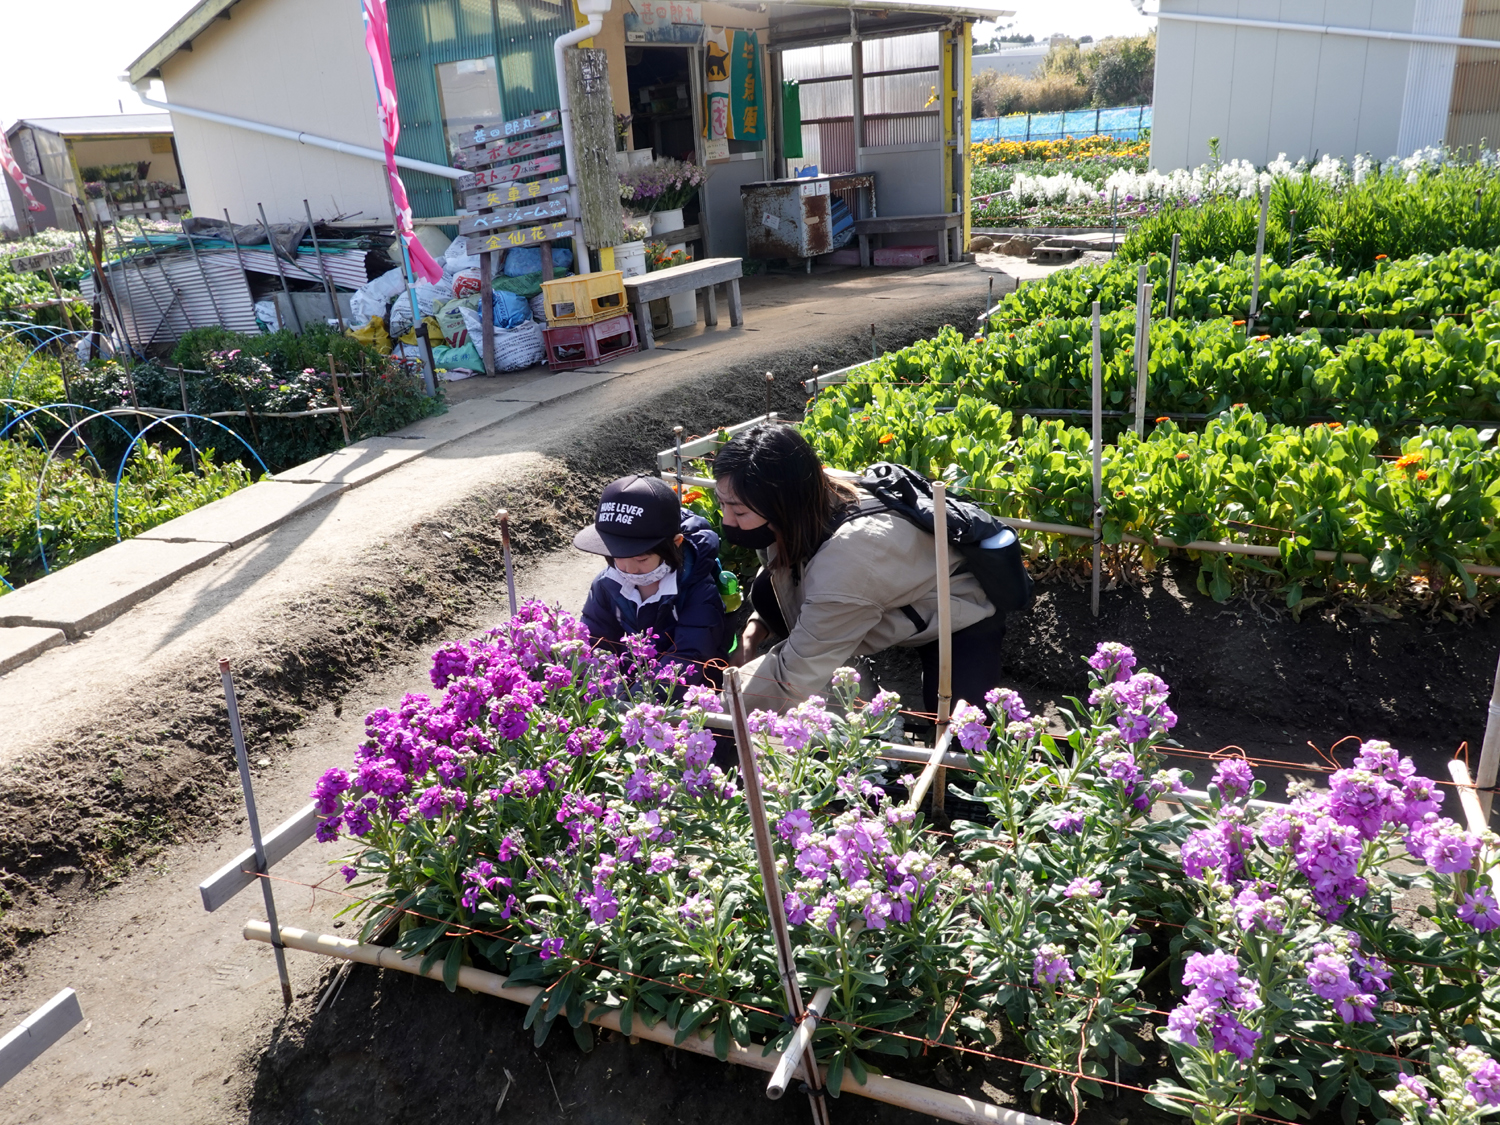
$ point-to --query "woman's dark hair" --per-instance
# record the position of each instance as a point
(669, 549)
(775, 473)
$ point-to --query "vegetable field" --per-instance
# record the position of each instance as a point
(546, 815)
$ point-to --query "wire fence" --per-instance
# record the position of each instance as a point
(1124, 123)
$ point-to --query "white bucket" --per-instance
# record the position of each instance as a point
(684, 305)
(630, 258)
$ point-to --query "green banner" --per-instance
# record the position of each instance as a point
(746, 105)
(791, 120)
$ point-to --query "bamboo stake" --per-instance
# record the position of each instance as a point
(1260, 249)
(281, 273)
(261, 866)
(1142, 357)
(786, 957)
(1172, 276)
(945, 629)
(338, 399)
(792, 1057)
(891, 1091)
(1468, 799)
(510, 575)
(1098, 444)
(1489, 750)
(929, 773)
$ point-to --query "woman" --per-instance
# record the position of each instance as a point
(837, 581)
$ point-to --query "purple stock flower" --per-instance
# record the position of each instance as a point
(1418, 1088)
(1069, 823)
(1234, 778)
(1480, 910)
(1083, 887)
(349, 873)
(328, 829)
(1051, 965)
(1333, 977)
(550, 948)
(1442, 845)
(969, 727)
(1218, 996)
(1112, 661)
(326, 791)
(1008, 703)
(1484, 1083)
(884, 701)
(795, 825)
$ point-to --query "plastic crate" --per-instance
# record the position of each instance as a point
(586, 345)
(584, 300)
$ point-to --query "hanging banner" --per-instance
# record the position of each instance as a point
(8, 161)
(378, 44)
(745, 111)
(663, 21)
(716, 84)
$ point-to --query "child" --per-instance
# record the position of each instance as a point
(663, 573)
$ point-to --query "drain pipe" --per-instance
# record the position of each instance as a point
(300, 137)
(595, 11)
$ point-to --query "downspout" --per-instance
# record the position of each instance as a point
(301, 138)
(594, 10)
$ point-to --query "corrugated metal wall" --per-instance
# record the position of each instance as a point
(1474, 111)
(426, 33)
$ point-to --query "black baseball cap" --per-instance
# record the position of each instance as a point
(635, 514)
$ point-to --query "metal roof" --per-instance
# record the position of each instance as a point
(105, 125)
(179, 37)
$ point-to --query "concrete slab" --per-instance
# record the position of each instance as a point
(354, 464)
(26, 642)
(557, 386)
(244, 515)
(474, 415)
(96, 590)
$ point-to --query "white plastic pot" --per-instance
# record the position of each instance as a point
(684, 305)
(630, 258)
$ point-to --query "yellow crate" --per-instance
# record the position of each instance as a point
(584, 300)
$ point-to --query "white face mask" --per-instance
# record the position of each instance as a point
(650, 578)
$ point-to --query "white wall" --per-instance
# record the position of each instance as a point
(298, 64)
(1264, 92)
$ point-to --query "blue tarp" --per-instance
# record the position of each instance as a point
(1124, 123)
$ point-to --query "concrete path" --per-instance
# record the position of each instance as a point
(198, 583)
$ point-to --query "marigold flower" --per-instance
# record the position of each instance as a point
(695, 494)
(1239, 405)
(1163, 418)
(1239, 324)
(1408, 460)
(1267, 336)
(1183, 456)
(1380, 257)
(886, 439)
(1422, 474)
(1335, 425)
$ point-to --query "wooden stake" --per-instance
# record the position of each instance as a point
(945, 629)
(1291, 237)
(786, 957)
(769, 380)
(487, 310)
(677, 460)
(781, 1077)
(333, 297)
(510, 576)
(1260, 249)
(1172, 276)
(1475, 817)
(1489, 751)
(338, 399)
(1098, 443)
(1142, 358)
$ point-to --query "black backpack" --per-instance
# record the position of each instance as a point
(908, 494)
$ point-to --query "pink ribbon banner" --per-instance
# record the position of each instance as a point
(8, 161)
(378, 44)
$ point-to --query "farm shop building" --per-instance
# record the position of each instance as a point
(880, 90)
(1309, 77)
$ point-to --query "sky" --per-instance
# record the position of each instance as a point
(1098, 18)
(81, 48)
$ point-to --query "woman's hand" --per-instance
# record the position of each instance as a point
(755, 635)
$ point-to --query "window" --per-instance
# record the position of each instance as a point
(468, 95)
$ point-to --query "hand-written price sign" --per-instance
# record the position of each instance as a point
(524, 236)
(549, 209)
(548, 119)
(31, 263)
(518, 193)
(507, 150)
(505, 175)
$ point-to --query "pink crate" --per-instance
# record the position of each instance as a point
(905, 255)
(845, 257)
(587, 345)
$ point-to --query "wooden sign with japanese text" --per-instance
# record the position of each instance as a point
(536, 212)
(490, 176)
(31, 263)
(521, 236)
(509, 150)
(512, 194)
(481, 137)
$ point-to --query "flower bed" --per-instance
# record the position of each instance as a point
(548, 815)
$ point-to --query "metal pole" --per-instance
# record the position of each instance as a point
(281, 273)
(1489, 751)
(487, 310)
(1172, 276)
(769, 380)
(165, 276)
(1291, 236)
(129, 289)
(785, 956)
(187, 424)
(1260, 249)
(677, 459)
(1098, 419)
(333, 297)
(261, 867)
(1114, 217)
(874, 348)
(244, 273)
(510, 577)
(203, 273)
(945, 629)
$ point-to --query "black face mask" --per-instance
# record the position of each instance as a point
(755, 538)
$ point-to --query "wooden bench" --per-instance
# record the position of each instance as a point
(950, 225)
(695, 276)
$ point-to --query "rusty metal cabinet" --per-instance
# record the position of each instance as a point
(795, 218)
